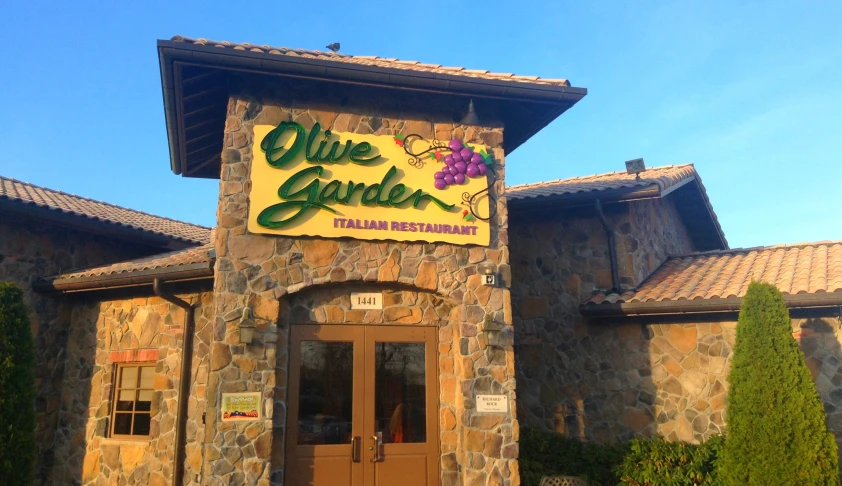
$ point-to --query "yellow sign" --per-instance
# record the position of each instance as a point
(368, 187)
(240, 407)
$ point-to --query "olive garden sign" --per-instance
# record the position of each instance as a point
(371, 187)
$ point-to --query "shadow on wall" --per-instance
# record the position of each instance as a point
(590, 382)
(819, 339)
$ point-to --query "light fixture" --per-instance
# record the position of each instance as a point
(635, 166)
(246, 327)
(470, 117)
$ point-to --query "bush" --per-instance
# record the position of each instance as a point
(656, 462)
(776, 423)
(17, 389)
(550, 454)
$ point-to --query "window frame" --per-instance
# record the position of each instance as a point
(118, 375)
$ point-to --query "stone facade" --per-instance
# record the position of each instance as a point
(615, 379)
(146, 330)
(31, 249)
(438, 285)
(563, 365)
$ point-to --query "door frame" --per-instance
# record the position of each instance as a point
(359, 333)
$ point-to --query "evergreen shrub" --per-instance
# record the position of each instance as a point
(652, 462)
(776, 422)
(551, 454)
(17, 389)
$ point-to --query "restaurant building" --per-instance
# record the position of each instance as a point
(374, 305)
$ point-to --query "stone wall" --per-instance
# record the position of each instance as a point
(666, 378)
(267, 274)
(103, 334)
(28, 250)
(614, 379)
(564, 366)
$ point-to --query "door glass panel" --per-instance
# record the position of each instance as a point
(326, 393)
(400, 399)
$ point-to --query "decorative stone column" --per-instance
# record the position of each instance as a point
(284, 281)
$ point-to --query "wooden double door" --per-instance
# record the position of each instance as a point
(363, 406)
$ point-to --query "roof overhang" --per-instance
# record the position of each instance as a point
(182, 273)
(100, 227)
(689, 197)
(194, 80)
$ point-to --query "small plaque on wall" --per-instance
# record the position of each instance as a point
(492, 403)
(367, 300)
(240, 407)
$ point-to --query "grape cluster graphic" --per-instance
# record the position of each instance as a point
(459, 165)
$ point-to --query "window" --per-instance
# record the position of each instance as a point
(132, 401)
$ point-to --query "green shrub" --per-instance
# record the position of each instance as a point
(17, 389)
(776, 423)
(550, 454)
(661, 463)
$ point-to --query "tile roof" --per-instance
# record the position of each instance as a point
(804, 268)
(179, 258)
(30, 194)
(384, 62)
(664, 178)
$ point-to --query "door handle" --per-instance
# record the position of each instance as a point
(376, 448)
(355, 448)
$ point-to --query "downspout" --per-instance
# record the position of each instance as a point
(612, 246)
(184, 383)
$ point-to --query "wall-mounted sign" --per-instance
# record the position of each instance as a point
(366, 300)
(372, 187)
(492, 403)
(240, 407)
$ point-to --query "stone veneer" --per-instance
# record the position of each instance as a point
(143, 329)
(614, 379)
(275, 277)
(30, 249)
(564, 366)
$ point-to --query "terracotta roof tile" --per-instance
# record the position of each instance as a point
(384, 62)
(22, 192)
(804, 268)
(664, 177)
(188, 256)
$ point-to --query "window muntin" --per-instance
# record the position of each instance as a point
(132, 401)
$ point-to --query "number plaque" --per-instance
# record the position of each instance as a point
(366, 300)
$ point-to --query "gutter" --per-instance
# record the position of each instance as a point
(579, 199)
(703, 306)
(184, 379)
(195, 271)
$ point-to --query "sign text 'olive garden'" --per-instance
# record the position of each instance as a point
(372, 187)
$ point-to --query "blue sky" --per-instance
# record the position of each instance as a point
(751, 92)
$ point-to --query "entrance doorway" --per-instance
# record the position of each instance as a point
(362, 406)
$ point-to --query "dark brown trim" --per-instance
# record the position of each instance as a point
(553, 99)
(195, 271)
(701, 224)
(623, 194)
(703, 306)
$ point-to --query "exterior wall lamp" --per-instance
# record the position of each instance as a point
(246, 327)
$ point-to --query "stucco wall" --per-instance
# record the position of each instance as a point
(146, 330)
(30, 249)
(263, 273)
